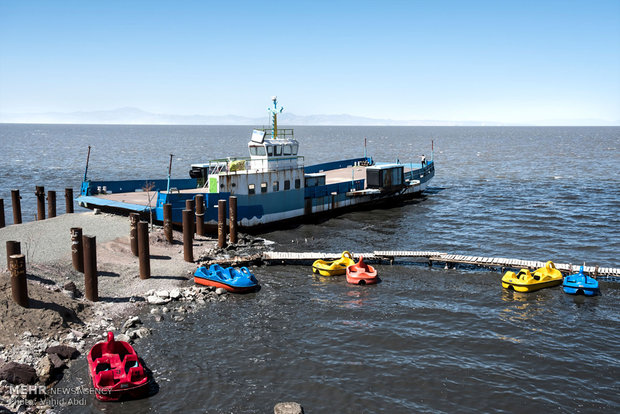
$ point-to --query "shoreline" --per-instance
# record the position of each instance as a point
(60, 316)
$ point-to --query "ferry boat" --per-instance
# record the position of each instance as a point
(272, 185)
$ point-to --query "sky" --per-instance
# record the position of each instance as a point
(497, 61)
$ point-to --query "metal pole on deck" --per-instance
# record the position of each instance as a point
(40, 193)
(168, 222)
(143, 247)
(17, 206)
(221, 224)
(188, 247)
(134, 218)
(200, 214)
(232, 220)
(90, 268)
(68, 200)
(77, 249)
(19, 286)
(51, 203)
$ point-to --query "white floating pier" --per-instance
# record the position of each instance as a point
(389, 256)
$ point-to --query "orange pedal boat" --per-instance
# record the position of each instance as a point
(362, 274)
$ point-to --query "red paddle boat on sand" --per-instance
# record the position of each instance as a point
(362, 274)
(116, 371)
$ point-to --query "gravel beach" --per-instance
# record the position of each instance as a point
(60, 316)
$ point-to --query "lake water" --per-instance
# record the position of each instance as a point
(423, 340)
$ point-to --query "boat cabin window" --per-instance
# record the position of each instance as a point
(295, 148)
(257, 150)
(277, 149)
(297, 183)
(286, 150)
(263, 187)
(270, 150)
(276, 186)
(287, 185)
(251, 189)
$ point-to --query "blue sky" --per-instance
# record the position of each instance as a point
(500, 61)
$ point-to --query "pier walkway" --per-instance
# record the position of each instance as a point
(450, 260)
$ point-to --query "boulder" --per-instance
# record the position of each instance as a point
(175, 294)
(63, 351)
(57, 362)
(288, 408)
(162, 294)
(16, 373)
(131, 322)
(121, 337)
(156, 300)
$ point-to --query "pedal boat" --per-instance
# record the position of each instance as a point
(524, 281)
(116, 371)
(231, 279)
(580, 283)
(333, 267)
(361, 274)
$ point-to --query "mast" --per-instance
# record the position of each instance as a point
(274, 113)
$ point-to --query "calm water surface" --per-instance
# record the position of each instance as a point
(423, 340)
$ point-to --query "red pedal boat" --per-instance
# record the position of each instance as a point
(116, 371)
(362, 274)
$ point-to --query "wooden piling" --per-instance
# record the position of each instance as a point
(168, 222)
(143, 248)
(134, 218)
(188, 247)
(232, 219)
(51, 203)
(19, 285)
(2, 221)
(12, 247)
(77, 249)
(190, 205)
(40, 194)
(68, 200)
(90, 268)
(200, 215)
(221, 224)
(17, 206)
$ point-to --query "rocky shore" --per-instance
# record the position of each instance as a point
(37, 343)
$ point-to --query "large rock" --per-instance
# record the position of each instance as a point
(63, 351)
(220, 291)
(156, 300)
(288, 408)
(16, 373)
(131, 322)
(175, 294)
(57, 362)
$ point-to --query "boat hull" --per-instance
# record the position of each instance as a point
(336, 267)
(571, 290)
(529, 287)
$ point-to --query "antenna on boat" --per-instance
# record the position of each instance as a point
(87, 159)
(432, 150)
(365, 155)
(169, 172)
(274, 113)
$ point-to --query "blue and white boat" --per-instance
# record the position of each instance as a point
(272, 185)
(231, 279)
(580, 283)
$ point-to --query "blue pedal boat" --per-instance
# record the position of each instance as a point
(231, 279)
(580, 283)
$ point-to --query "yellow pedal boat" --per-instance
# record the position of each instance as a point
(524, 281)
(333, 267)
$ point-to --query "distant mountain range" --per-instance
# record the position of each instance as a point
(135, 116)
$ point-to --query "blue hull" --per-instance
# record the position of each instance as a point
(230, 279)
(580, 283)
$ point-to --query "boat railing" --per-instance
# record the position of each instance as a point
(282, 133)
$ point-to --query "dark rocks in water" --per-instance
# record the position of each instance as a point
(288, 408)
(16, 373)
(63, 351)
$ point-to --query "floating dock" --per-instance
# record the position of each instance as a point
(450, 260)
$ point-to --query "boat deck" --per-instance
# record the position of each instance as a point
(357, 172)
(141, 198)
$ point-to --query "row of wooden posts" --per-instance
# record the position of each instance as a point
(40, 194)
(84, 247)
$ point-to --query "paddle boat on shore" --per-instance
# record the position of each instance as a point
(361, 274)
(580, 283)
(525, 281)
(333, 267)
(116, 371)
(231, 279)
